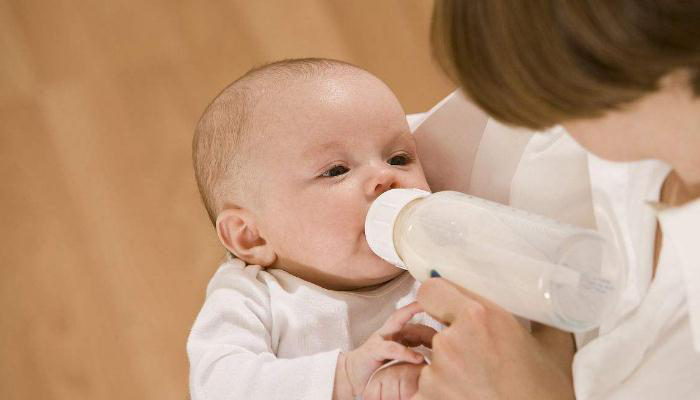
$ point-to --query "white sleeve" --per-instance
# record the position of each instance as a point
(462, 149)
(231, 351)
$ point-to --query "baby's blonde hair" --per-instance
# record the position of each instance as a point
(220, 147)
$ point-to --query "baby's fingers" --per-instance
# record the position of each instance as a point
(390, 389)
(388, 350)
(399, 318)
(413, 335)
(373, 391)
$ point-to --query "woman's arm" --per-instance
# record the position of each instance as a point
(484, 353)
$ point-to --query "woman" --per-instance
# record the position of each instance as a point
(623, 77)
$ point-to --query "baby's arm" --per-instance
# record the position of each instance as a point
(231, 351)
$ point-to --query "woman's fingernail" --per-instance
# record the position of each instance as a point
(434, 274)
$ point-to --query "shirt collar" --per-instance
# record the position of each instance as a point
(681, 232)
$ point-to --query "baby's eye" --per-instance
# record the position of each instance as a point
(400, 159)
(336, 170)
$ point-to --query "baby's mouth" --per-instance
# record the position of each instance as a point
(363, 238)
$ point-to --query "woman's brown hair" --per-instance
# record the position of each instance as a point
(536, 63)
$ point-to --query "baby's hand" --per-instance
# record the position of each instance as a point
(397, 382)
(390, 342)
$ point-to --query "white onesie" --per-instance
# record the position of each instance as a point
(266, 334)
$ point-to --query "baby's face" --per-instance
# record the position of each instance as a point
(328, 148)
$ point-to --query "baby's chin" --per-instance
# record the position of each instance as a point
(372, 284)
(385, 271)
(375, 272)
(379, 263)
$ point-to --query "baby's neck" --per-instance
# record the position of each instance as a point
(330, 281)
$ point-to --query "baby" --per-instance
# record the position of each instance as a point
(288, 159)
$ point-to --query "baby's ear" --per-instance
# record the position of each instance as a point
(239, 234)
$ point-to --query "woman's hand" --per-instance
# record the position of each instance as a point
(485, 353)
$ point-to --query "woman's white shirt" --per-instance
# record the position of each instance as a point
(650, 347)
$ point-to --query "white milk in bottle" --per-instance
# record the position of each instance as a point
(535, 267)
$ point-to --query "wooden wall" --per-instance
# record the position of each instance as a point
(105, 250)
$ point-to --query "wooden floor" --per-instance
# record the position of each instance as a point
(104, 248)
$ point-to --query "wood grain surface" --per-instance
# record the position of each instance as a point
(105, 250)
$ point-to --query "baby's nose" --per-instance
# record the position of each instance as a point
(383, 180)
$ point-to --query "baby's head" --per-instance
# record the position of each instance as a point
(288, 159)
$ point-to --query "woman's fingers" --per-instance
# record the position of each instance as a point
(413, 335)
(399, 318)
(432, 385)
(444, 301)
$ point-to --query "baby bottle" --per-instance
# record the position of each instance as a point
(535, 267)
